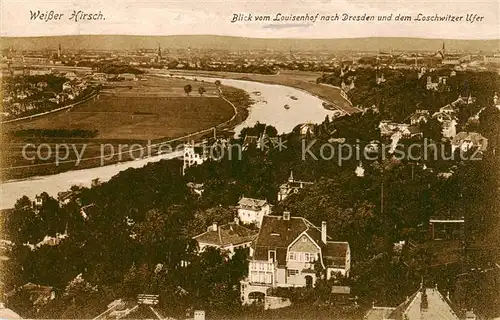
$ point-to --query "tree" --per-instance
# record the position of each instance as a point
(213, 277)
(187, 89)
(432, 129)
(22, 224)
(489, 120)
(201, 91)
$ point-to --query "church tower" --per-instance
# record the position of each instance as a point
(59, 52)
(158, 53)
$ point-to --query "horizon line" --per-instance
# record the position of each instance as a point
(244, 37)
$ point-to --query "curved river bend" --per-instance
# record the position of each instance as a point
(269, 108)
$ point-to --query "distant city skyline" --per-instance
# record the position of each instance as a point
(229, 43)
(169, 17)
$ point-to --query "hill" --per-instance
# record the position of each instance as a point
(133, 42)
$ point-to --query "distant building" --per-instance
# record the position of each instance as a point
(431, 85)
(450, 62)
(67, 86)
(425, 304)
(127, 76)
(446, 228)
(228, 237)
(192, 156)
(496, 101)
(495, 59)
(70, 75)
(379, 79)
(285, 252)
(39, 72)
(51, 241)
(66, 197)
(88, 211)
(419, 116)
(196, 188)
(252, 210)
(306, 129)
(36, 295)
(466, 141)
(449, 128)
(292, 186)
(359, 171)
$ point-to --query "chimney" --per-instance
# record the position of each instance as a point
(286, 215)
(323, 232)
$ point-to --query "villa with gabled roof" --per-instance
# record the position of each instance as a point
(287, 252)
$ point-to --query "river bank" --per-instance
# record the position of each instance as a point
(268, 107)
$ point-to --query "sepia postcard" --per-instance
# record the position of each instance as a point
(230, 159)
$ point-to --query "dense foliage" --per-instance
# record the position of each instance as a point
(135, 232)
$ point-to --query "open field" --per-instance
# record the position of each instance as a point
(138, 118)
(297, 79)
(151, 109)
(126, 115)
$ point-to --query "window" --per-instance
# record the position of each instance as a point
(262, 277)
(261, 266)
(304, 239)
(291, 256)
(292, 272)
(301, 256)
(310, 257)
(271, 255)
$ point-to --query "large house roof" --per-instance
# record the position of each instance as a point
(476, 138)
(425, 304)
(277, 234)
(228, 234)
(250, 203)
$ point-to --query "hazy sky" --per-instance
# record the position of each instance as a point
(168, 17)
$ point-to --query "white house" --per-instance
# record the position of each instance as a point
(419, 116)
(285, 253)
(253, 210)
(192, 156)
(449, 128)
(67, 86)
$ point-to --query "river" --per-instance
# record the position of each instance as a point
(270, 101)
(269, 108)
